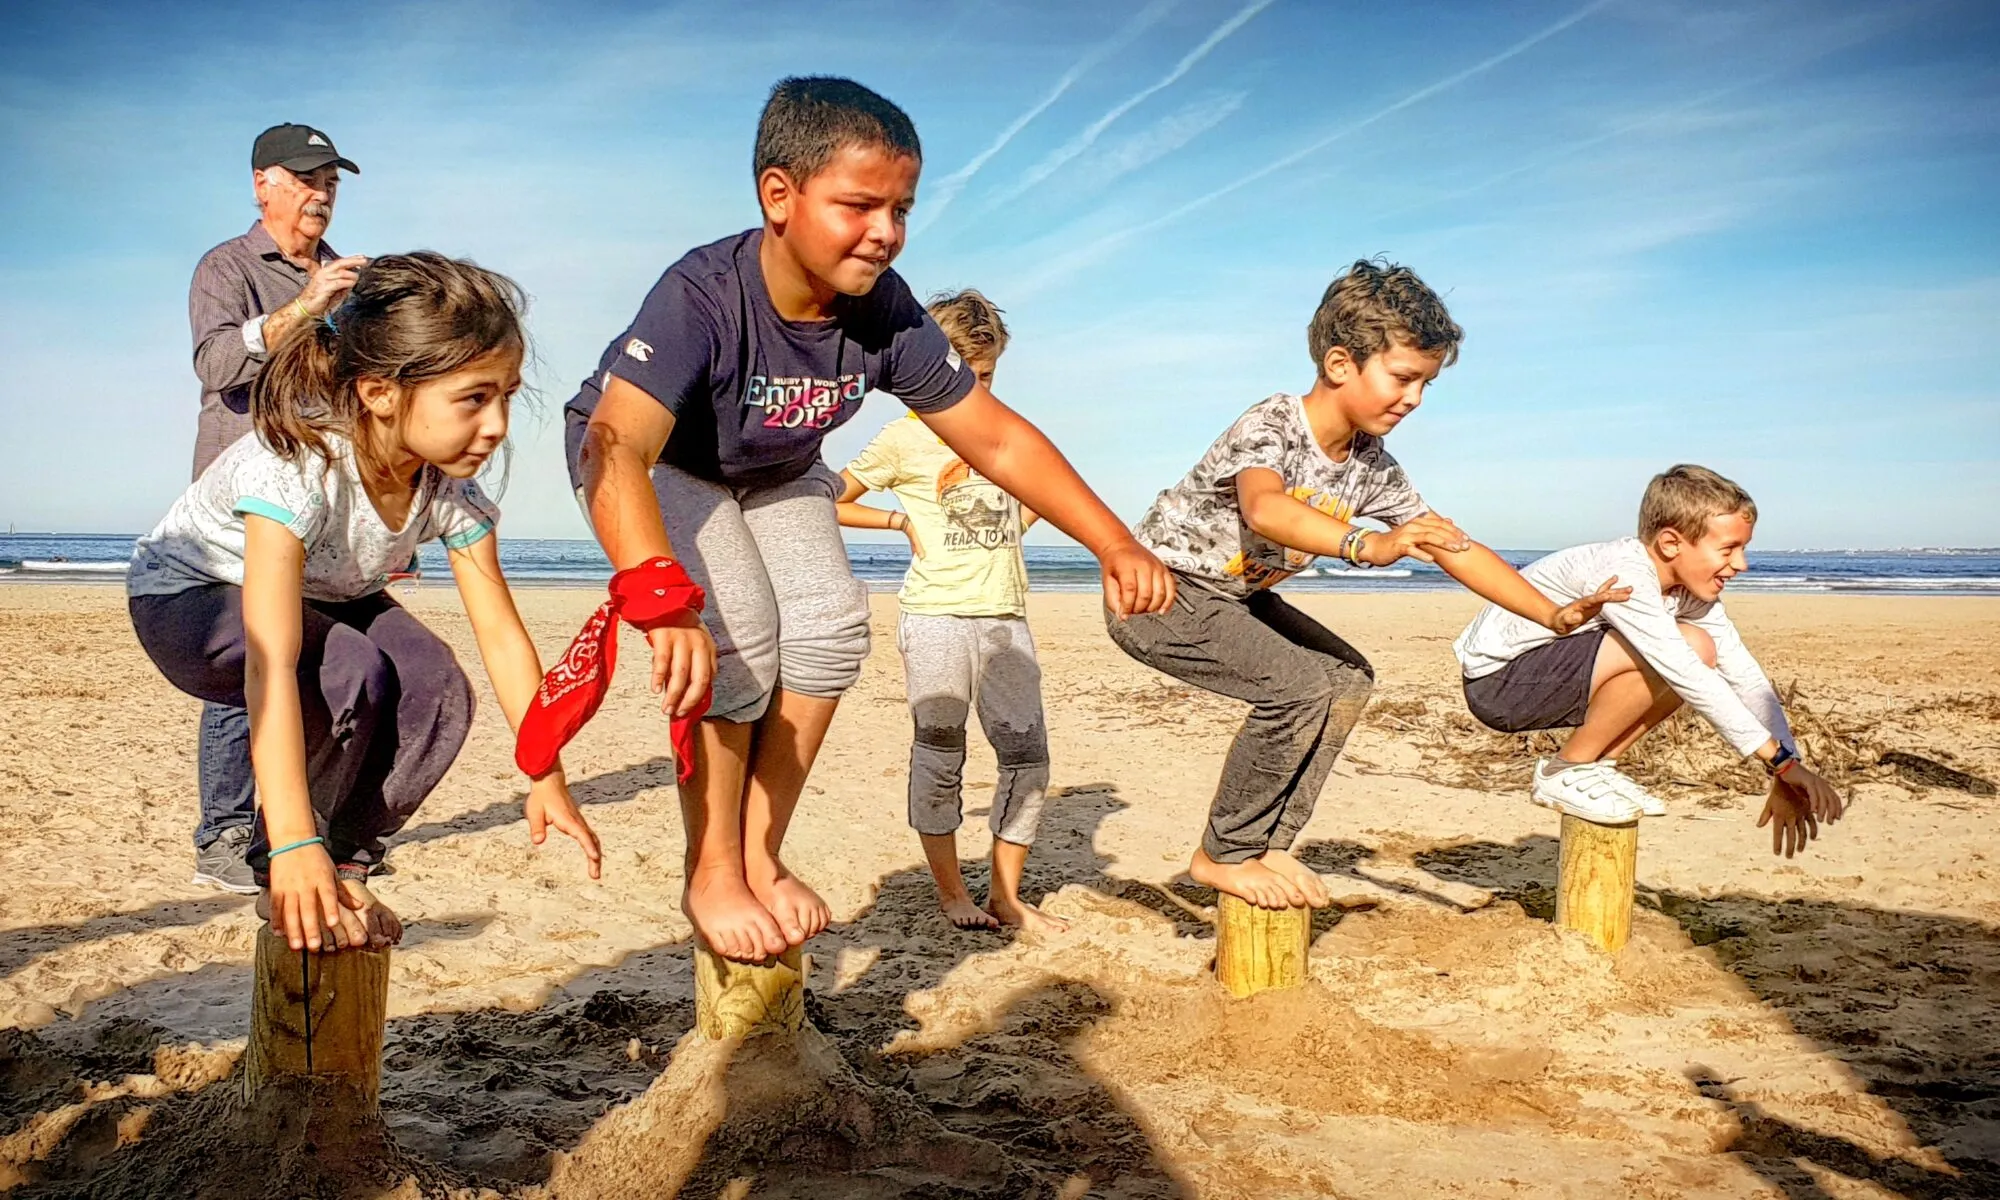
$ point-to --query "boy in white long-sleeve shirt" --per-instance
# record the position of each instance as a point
(1632, 665)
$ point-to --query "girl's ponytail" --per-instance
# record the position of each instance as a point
(295, 402)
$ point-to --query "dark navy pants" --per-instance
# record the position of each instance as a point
(385, 705)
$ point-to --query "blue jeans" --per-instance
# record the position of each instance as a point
(228, 789)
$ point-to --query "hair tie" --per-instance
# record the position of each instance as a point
(332, 328)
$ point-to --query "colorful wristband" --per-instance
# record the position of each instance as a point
(311, 841)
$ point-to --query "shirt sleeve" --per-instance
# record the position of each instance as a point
(925, 373)
(1654, 631)
(1391, 500)
(669, 348)
(879, 466)
(293, 495)
(1255, 440)
(253, 335)
(462, 514)
(1739, 668)
(219, 302)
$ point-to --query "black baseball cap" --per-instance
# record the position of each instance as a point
(297, 148)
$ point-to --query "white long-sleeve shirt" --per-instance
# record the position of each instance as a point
(1734, 695)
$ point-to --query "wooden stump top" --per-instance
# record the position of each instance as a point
(737, 999)
(1599, 866)
(1259, 949)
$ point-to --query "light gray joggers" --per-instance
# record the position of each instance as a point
(953, 663)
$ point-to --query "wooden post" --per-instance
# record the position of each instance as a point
(317, 1018)
(1594, 881)
(738, 999)
(1259, 949)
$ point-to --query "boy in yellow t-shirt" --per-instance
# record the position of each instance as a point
(963, 634)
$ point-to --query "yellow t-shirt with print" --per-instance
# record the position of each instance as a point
(970, 529)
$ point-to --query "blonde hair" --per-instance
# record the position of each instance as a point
(1683, 498)
(972, 322)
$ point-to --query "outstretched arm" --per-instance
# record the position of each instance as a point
(620, 446)
(1005, 447)
(516, 671)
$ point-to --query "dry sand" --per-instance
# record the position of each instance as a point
(1824, 1027)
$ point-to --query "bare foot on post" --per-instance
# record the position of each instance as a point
(384, 927)
(1251, 881)
(727, 916)
(800, 914)
(1300, 875)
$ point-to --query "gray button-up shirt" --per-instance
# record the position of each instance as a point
(234, 284)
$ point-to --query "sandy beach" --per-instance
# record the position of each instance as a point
(1827, 1026)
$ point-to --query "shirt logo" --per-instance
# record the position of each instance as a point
(315, 140)
(639, 350)
(796, 401)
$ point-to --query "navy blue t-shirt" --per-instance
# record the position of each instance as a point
(752, 394)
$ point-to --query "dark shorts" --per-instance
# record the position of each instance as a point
(1546, 688)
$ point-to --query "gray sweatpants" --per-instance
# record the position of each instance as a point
(1305, 687)
(784, 606)
(952, 663)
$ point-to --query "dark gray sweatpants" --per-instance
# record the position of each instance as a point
(1305, 687)
(385, 705)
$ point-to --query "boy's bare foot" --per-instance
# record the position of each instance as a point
(383, 927)
(962, 912)
(1303, 877)
(800, 913)
(1012, 910)
(727, 916)
(1252, 881)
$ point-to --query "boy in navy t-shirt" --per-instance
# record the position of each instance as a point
(698, 438)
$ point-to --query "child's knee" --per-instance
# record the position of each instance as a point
(1019, 749)
(1699, 641)
(940, 724)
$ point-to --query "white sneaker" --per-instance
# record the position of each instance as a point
(1587, 790)
(1649, 804)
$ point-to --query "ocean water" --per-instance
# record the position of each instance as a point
(557, 562)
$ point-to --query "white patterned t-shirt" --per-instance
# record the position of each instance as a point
(1196, 526)
(350, 551)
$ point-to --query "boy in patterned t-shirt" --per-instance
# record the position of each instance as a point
(1282, 486)
(963, 633)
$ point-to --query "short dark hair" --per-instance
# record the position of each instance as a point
(809, 118)
(1376, 302)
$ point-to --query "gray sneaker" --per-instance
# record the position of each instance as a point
(221, 864)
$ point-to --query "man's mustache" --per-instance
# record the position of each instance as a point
(314, 208)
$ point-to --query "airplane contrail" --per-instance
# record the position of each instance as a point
(1083, 141)
(1105, 244)
(951, 185)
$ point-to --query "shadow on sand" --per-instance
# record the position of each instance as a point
(1910, 1002)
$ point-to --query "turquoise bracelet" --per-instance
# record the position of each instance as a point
(311, 841)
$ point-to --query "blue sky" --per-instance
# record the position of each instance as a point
(1759, 236)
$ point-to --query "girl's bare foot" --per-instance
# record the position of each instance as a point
(1012, 910)
(800, 913)
(382, 926)
(1303, 877)
(1251, 881)
(727, 917)
(962, 912)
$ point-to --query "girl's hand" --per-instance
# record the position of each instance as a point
(683, 663)
(308, 906)
(1583, 608)
(910, 531)
(551, 806)
(1411, 537)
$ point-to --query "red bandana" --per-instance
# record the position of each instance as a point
(652, 594)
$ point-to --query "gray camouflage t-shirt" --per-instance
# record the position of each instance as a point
(1196, 528)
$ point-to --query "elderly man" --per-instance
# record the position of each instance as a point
(247, 294)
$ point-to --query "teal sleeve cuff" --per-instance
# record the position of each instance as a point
(459, 541)
(265, 509)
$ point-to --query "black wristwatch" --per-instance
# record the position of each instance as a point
(1780, 760)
